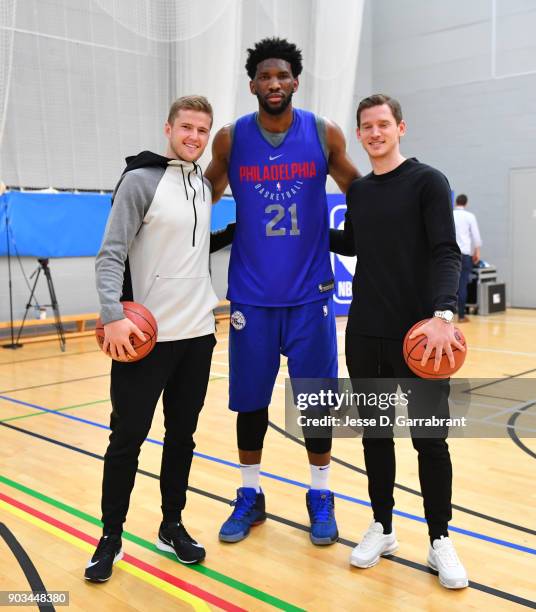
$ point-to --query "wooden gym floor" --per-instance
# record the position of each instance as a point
(54, 411)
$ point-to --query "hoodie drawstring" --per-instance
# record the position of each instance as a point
(193, 201)
(195, 169)
(183, 180)
(202, 179)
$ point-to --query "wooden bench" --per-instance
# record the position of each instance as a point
(80, 321)
(222, 313)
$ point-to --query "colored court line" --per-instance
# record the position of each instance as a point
(70, 380)
(29, 570)
(333, 458)
(294, 525)
(66, 354)
(195, 596)
(349, 498)
(513, 433)
(201, 569)
(401, 487)
(32, 414)
(52, 384)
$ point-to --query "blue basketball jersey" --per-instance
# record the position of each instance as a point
(280, 252)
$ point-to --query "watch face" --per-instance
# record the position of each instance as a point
(445, 315)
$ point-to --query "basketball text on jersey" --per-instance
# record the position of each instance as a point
(294, 172)
(278, 172)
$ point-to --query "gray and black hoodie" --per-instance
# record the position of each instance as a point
(155, 249)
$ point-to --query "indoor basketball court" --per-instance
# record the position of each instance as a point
(85, 83)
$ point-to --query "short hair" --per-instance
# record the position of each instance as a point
(379, 100)
(196, 103)
(461, 200)
(278, 48)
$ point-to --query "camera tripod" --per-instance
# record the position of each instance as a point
(43, 267)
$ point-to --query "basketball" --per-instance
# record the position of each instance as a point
(144, 319)
(413, 351)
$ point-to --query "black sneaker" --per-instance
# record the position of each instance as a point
(108, 552)
(173, 537)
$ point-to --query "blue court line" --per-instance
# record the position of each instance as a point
(355, 500)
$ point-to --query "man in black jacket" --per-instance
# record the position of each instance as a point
(399, 222)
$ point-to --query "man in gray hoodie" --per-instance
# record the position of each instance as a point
(155, 251)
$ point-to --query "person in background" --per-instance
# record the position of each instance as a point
(468, 239)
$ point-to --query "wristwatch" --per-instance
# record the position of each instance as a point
(444, 315)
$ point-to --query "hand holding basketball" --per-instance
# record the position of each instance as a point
(117, 339)
(434, 338)
(129, 339)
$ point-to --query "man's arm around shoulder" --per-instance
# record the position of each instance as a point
(341, 167)
(217, 169)
(342, 241)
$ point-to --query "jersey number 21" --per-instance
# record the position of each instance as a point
(280, 212)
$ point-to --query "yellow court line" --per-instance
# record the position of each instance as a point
(196, 603)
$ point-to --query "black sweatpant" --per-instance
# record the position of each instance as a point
(371, 357)
(181, 370)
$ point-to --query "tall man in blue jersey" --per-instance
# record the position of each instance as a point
(280, 278)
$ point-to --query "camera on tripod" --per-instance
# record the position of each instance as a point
(42, 267)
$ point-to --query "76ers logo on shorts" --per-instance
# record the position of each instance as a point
(238, 320)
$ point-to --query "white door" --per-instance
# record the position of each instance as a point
(523, 215)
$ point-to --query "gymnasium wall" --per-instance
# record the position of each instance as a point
(73, 121)
(465, 74)
(84, 83)
(467, 84)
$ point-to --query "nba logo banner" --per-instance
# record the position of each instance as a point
(343, 267)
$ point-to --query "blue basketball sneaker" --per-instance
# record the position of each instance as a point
(321, 508)
(249, 510)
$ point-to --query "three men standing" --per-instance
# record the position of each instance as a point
(280, 285)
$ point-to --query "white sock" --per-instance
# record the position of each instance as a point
(319, 476)
(251, 476)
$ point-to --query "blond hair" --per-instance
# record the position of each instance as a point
(196, 103)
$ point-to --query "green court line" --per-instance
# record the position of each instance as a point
(200, 569)
(32, 414)
(218, 378)
(101, 401)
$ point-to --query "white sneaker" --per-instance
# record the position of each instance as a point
(442, 557)
(373, 545)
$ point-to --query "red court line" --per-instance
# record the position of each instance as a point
(150, 569)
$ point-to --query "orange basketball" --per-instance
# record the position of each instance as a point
(413, 351)
(143, 318)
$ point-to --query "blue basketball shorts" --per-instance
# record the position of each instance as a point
(305, 334)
